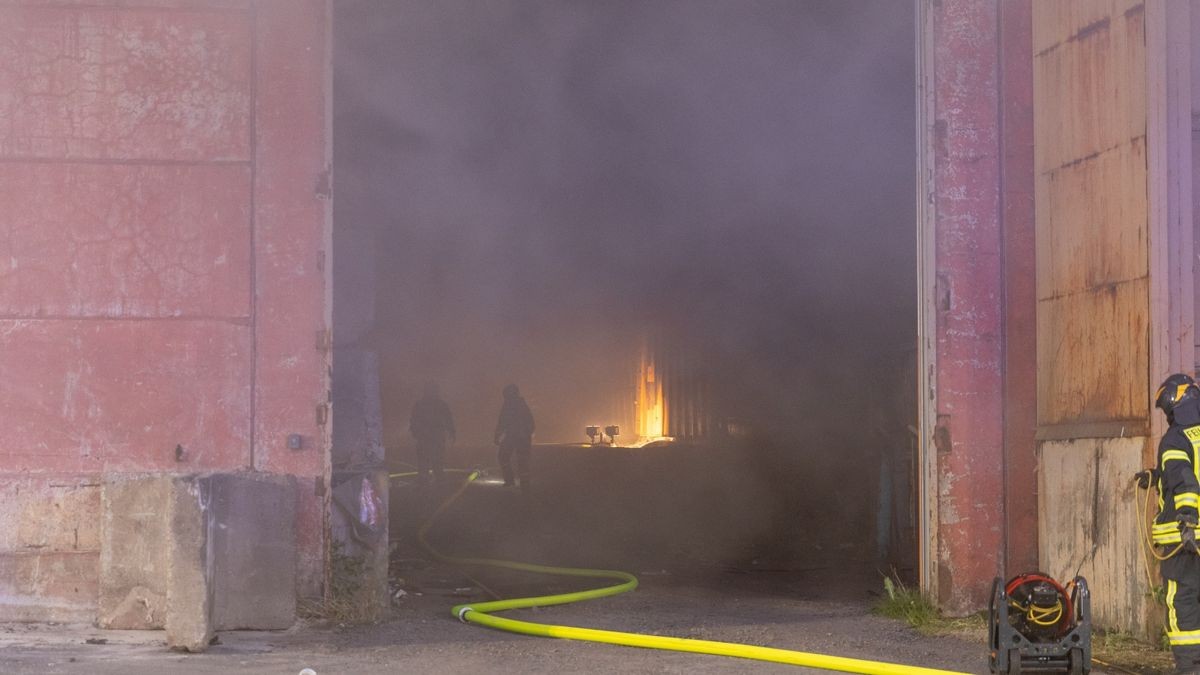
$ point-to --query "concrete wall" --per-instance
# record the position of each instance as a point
(164, 203)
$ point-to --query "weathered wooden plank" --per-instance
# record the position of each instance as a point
(1179, 185)
(1092, 355)
(1092, 213)
(927, 307)
(1091, 223)
(1168, 187)
(1057, 22)
(1100, 77)
(1089, 524)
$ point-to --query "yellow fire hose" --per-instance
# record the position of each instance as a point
(481, 613)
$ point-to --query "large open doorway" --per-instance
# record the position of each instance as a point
(690, 221)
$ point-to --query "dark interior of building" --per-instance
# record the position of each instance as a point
(700, 207)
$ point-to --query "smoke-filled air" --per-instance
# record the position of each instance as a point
(576, 196)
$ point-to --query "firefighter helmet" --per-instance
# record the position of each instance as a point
(1175, 390)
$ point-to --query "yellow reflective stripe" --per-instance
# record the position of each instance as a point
(1167, 539)
(1186, 499)
(1193, 435)
(1164, 528)
(1184, 637)
(1172, 620)
(1175, 454)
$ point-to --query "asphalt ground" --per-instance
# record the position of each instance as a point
(725, 550)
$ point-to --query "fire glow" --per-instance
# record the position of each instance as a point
(651, 408)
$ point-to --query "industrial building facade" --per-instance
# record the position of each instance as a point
(166, 300)
(165, 202)
(1057, 283)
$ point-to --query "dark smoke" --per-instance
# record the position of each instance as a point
(531, 184)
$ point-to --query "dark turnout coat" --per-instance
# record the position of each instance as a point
(431, 422)
(515, 426)
(1178, 484)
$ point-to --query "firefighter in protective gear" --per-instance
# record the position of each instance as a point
(431, 426)
(1174, 528)
(514, 435)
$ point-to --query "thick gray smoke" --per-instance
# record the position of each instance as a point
(541, 180)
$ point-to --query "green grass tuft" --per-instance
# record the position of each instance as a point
(907, 604)
(918, 611)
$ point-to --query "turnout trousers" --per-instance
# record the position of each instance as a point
(1181, 579)
(430, 456)
(521, 450)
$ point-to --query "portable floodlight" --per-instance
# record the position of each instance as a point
(592, 433)
(613, 431)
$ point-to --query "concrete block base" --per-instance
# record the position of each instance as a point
(254, 551)
(134, 557)
(194, 554)
(190, 581)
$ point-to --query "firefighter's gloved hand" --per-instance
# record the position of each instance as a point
(1187, 533)
(1146, 478)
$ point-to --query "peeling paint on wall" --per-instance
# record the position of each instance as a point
(160, 233)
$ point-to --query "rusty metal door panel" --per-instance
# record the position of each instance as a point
(1092, 63)
(1092, 362)
(1091, 222)
(1090, 121)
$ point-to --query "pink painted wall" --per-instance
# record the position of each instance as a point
(986, 370)
(163, 230)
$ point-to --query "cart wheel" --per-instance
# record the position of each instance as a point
(1014, 662)
(1078, 664)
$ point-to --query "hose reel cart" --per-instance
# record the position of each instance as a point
(1036, 625)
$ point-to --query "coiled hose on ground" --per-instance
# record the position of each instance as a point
(482, 613)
